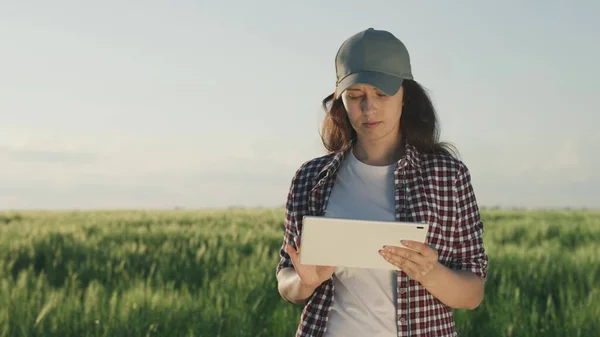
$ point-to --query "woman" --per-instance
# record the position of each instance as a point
(384, 163)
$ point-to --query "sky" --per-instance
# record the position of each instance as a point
(198, 104)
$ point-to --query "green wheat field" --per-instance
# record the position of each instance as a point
(212, 273)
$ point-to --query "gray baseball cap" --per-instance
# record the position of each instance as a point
(374, 57)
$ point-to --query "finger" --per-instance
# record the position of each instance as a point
(411, 269)
(402, 263)
(406, 253)
(290, 249)
(292, 253)
(420, 247)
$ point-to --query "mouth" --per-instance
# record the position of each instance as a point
(371, 124)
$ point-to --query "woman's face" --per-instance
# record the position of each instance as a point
(373, 114)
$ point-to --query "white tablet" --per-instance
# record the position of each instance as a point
(354, 243)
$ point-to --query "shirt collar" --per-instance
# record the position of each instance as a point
(412, 158)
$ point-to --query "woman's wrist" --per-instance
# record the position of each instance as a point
(459, 289)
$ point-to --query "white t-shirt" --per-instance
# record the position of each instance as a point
(364, 299)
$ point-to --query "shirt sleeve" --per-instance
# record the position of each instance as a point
(469, 251)
(290, 224)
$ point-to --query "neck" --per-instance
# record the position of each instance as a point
(379, 153)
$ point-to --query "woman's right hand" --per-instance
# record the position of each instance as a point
(310, 275)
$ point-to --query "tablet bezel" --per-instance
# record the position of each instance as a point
(354, 243)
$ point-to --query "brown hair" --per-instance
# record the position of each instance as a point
(419, 124)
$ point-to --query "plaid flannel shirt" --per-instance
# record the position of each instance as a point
(432, 188)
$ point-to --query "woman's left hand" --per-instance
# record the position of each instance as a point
(417, 262)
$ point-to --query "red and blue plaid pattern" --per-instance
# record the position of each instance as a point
(432, 188)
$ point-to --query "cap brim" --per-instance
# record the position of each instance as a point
(389, 84)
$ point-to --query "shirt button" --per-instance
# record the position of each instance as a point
(402, 291)
(402, 320)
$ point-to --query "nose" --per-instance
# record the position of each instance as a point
(368, 105)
